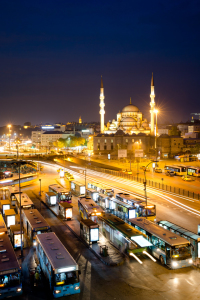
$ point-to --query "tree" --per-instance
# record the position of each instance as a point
(71, 141)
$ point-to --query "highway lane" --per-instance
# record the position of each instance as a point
(178, 209)
(125, 282)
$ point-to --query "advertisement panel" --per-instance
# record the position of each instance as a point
(139, 153)
(122, 153)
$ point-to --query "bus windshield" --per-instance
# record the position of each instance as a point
(66, 278)
(181, 251)
(9, 280)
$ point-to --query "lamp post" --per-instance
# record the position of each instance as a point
(145, 184)
(9, 126)
(40, 192)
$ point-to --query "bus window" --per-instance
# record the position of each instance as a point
(9, 280)
(182, 251)
(66, 278)
(155, 241)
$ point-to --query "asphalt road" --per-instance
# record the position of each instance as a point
(130, 280)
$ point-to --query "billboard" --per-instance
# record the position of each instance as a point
(122, 153)
(139, 153)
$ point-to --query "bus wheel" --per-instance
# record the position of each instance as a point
(162, 260)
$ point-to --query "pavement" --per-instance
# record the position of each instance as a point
(114, 257)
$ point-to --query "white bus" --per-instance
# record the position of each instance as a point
(89, 209)
(62, 194)
(34, 223)
(102, 189)
(26, 202)
(10, 271)
(179, 169)
(194, 171)
(58, 266)
(171, 249)
(77, 188)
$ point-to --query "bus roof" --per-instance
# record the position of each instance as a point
(35, 219)
(122, 226)
(25, 200)
(13, 189)
(8, 260)
(58, 189)
(164, 234)
(91, 190)
(90, 205)
(181, 230)
(77, 183)
(60, 259)
(3, 227)
(122, 203)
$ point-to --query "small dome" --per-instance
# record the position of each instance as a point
(130, 108)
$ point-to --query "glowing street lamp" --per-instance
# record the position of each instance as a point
(9, 126)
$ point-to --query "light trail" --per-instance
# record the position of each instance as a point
(131, 254)
(130, 183)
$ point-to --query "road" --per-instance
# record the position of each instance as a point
(130, 280)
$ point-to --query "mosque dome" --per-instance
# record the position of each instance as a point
(127, 119)
(130, 108)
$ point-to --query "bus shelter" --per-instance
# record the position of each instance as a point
(89, 231)
(192, 237)
(65, 210)
(5, 204)
(10, 215)
(50, 198)
(15, 236)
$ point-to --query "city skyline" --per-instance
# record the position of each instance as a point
(52, 58)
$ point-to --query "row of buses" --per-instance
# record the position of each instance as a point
(134, 234)
(183, 170)
(60, 269)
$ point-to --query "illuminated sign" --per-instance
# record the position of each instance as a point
(85, 130)
(62, 173)
(94, 234)
(68, 213)
(17, 240)
(6, 206)
(48, 127)
(53, 200)
(69, 269)
(132, 214)
(10, 220)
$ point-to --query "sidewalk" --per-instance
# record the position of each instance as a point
(114, 257)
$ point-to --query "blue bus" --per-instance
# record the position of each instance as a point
(10, 272)
(58, 266)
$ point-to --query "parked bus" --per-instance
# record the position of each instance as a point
(58, 266)
(34, 223)
(89, 209)
(142, 210)
(12, 192)
(103, 201)
(102, 189)
(179, 169)
(26, 202)
(121, 209)
(171, 249)
(62, 194)
(92, 194)
(124, 237)
(10, 272)
(193, 171)
(77, 188)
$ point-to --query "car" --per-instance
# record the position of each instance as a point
(170, 173)
(129, 172)
(187, 178)
(158, 170)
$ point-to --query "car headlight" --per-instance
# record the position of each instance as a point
(190, 261)
(57, 291)
(19, 290)
(77, 287)
(174, 264)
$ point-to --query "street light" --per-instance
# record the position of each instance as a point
(40, 193)
(145, 183)
(9, 126)
(156, 132)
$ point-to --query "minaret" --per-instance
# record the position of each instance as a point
(80, 120)
(102, 104)
(152, 104)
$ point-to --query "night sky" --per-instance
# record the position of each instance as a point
(53, 53)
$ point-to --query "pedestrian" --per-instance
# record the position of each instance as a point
(37, 277)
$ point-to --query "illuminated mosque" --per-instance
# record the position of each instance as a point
(130, 120)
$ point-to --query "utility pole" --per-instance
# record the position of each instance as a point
(20, 211)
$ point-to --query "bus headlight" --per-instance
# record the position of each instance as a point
(190, 261)
(174, 264)
(77, 288)
(57, 291)
(34, 243)
(19, 290)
